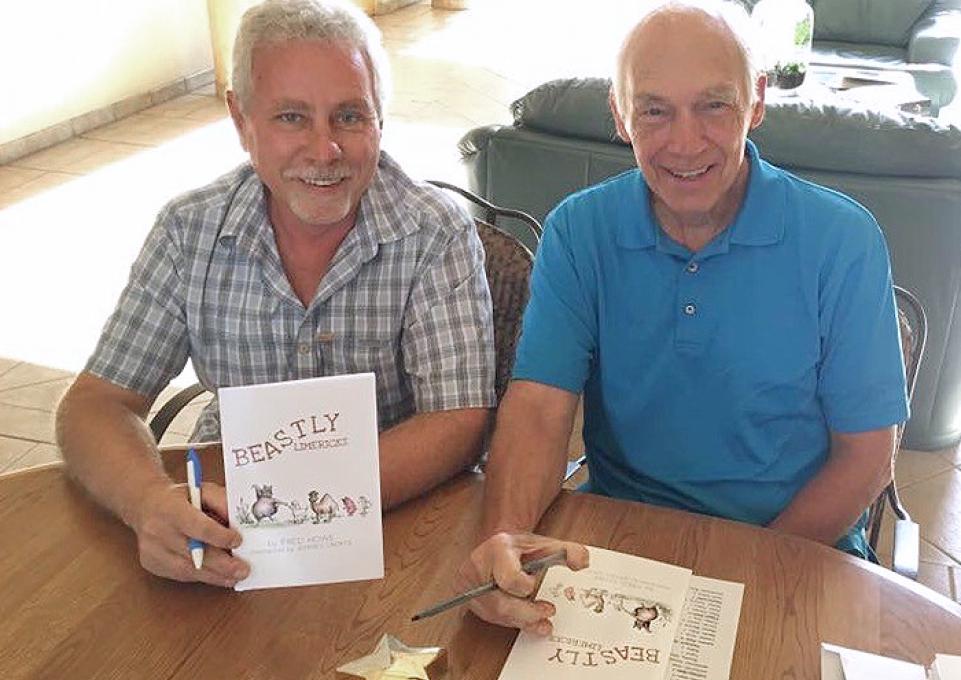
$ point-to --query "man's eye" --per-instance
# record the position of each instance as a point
(652, 112)
(716, 105)
(290, 117)
(350, 117)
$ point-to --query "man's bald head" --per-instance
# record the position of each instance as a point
(688, 21)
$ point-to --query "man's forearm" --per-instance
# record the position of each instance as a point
(108, 449)
(427, 449)
(857, 470)
(528, 456)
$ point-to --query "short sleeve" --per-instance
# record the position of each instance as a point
(144, 342)
(559, 336)
(861, 382)
(448, 336)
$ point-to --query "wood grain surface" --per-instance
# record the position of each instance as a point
(76, 603)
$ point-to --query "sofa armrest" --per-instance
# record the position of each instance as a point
(473, 153)
(935, 37)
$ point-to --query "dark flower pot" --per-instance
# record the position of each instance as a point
(788, 81)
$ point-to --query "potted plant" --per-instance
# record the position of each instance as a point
(789, 76)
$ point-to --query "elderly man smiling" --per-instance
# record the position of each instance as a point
(732, 327)
(318, 257)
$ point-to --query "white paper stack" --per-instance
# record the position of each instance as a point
(841, 663)
(945, 667)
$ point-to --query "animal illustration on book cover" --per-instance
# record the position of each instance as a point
(645, 614)
(319, 508)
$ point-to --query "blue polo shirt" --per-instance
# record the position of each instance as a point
(712, 379)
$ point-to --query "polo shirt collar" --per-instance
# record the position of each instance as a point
(759, 221)
(637, 227)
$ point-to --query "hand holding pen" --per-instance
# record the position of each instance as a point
(164, 520)
(501, 559)
(532, 567)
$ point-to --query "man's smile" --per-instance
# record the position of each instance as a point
(692, 174)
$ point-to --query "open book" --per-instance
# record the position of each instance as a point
(630, 617)
(303, 483)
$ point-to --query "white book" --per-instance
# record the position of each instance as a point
(615, 619)
(946, 667)
(842, 663)
(303, 480)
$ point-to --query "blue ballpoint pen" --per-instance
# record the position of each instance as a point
(193, 483)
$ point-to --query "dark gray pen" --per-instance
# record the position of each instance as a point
(531, 567)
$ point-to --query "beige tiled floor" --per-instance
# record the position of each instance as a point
(73, 217)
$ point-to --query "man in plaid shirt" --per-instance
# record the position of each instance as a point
(318, 257)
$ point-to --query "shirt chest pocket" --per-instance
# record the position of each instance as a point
(239, 342)
(363, 352)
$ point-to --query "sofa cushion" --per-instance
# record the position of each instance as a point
(571, 107)
(882, 22)
(795, 133)
(855, 139)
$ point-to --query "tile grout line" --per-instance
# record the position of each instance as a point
(33, 384)
(26, 439)
(10, 368)
(957, 562)
(16, 466)
(27, 166)
(901, 486)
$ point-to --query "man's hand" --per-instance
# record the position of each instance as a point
(165, 520)
(499, 558)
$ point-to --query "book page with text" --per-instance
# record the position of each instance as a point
(704, 642)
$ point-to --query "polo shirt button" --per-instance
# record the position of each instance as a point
(304, 348)
(690, 309)
(693, 267)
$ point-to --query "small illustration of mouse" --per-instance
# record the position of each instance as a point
(644, 616)
(265, 507)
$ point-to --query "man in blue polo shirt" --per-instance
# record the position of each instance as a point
(732, 327)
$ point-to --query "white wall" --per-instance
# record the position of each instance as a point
(63, 58)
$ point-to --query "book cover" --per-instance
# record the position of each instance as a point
(615, 619)
(303, 480)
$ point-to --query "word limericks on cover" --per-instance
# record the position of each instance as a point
(292, 437)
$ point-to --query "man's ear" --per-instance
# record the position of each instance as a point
(760, 87)
(237, 116)
(618, 120)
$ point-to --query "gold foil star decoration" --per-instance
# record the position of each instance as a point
(393, 660)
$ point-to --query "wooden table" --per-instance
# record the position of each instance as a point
(76, 604)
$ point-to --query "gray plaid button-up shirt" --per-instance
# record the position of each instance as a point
(405, 297)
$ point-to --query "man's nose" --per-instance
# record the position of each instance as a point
(687, 133)
(322, 144)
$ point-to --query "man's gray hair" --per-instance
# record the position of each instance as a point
(730, 16)
(279, 21)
